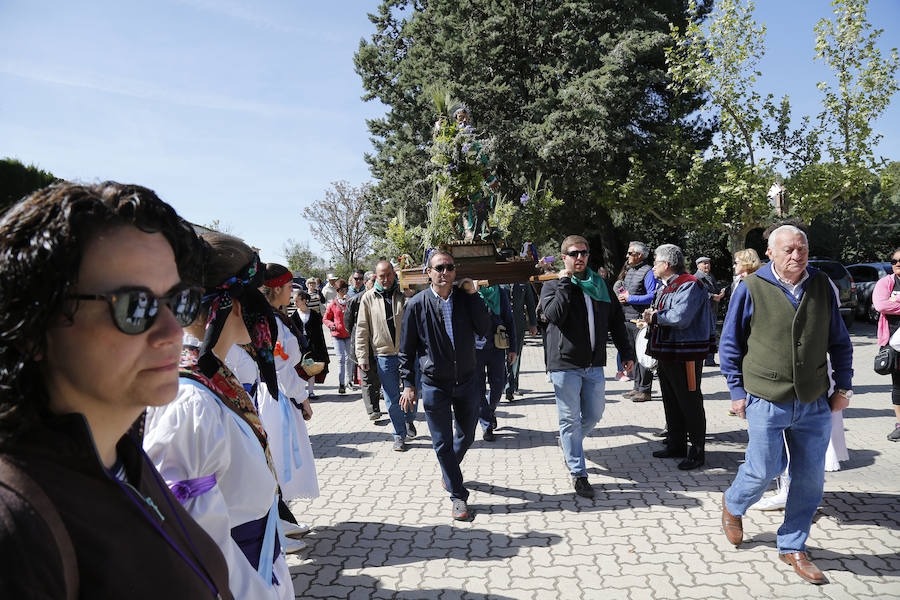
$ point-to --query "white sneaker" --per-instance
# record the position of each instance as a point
(292, 546)
(776, 502)
(291, 530)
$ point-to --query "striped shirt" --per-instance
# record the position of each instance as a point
(447, 310)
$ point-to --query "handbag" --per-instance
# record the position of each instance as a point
(887, 360)
(501, 338)
(640, 349)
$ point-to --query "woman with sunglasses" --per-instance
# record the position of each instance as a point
(283, 415)
(886, 300)
(334, 320)
(91, 309)
(209, 444)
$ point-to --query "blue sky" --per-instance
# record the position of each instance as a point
(246, 111)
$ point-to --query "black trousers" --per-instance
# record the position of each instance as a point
(371, 385)
(643, 377)
(685, 417)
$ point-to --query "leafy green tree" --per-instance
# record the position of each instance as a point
(720, 59)
(573, 90)
(18, 180)
(301, 260)
(865, 82)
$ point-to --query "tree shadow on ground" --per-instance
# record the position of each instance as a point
(865, 413)
(619, 497)
(851, 508)
(330, 445)
(361, 544)
(366, 587)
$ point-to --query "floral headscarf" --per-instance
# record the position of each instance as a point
(257, 315)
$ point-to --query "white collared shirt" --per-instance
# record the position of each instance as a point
(792, 288)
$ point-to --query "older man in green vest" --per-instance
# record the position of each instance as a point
(783, 324)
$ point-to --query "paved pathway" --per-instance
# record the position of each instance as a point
(382, 528)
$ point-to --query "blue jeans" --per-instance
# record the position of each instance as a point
(446, 407)
(389, 373)
(580, 400)
(807, 429)
(490, 368)
(342, 348)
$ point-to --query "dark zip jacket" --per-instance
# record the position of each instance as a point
(424, 338)
(118, 550)
(568, 333)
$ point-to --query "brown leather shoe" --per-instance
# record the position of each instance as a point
(804, 567)
(732, 526)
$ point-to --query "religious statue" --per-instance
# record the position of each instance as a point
(464, 175)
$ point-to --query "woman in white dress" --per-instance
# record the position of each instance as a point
(284, 416)
(209, 444)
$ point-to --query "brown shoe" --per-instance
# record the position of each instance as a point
(804, 567)
(640, 397)
(732, 526)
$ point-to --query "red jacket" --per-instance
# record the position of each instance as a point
(334, 319)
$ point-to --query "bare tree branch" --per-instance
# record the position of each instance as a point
(339, 221)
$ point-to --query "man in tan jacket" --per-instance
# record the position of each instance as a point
(378, 324)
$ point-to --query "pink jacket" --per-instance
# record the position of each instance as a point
(881, 300)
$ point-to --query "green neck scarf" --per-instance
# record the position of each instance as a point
(593, 285)
(389, 291)
(491, 297)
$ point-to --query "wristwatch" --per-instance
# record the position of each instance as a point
(845, 393)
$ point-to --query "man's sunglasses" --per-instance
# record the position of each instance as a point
(894, 261)
(577, 253)
(358, 278)
(441, 268)
(134, 310)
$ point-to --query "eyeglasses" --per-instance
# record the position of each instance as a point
(134, 310)
(358, 278)
(447, 267)
(894, 261)
(577, 253)
(634, 253)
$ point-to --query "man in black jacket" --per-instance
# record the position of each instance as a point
(439, 328)
(580, 310)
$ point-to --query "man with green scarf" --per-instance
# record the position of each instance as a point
(490, 360)
(579, 312)
(379, 322)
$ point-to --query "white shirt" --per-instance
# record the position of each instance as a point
(590, 312)
(792, 288)
(196, 436)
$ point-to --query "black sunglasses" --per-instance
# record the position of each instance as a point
(134, 310)
(577, 253)
(441, 268)
(894, 261)
(358, 278)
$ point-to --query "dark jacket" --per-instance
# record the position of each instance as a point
(524, 303)
(424, 338)
(119, 551)
(568, 334)
(315, 336)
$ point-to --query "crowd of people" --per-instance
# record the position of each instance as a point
(155, 377)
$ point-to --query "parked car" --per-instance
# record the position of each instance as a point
(844, 282)
(865, 275)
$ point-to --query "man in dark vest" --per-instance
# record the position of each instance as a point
(780, 326)
(636, 293)
(715, 292)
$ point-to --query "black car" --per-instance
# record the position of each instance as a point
(866, 275)
(845, 285)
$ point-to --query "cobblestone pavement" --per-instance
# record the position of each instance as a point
(382, 526)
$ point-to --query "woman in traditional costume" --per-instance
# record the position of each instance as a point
(308, 324)
(284, 414)
(209, 444)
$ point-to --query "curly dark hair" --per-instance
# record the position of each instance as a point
(42, 240)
